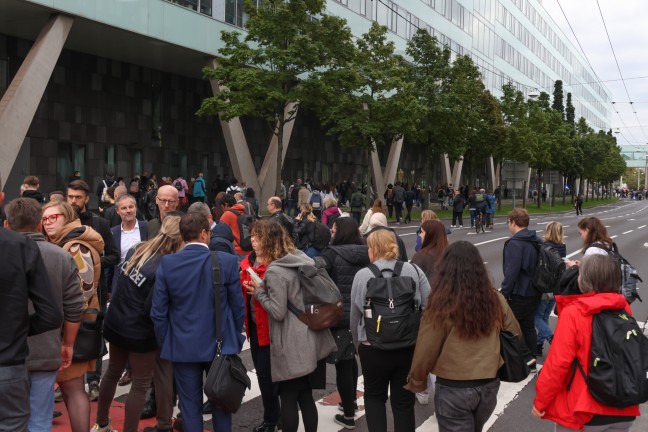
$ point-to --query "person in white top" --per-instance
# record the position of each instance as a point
(377, 208)
(129, 228)
(594, 235)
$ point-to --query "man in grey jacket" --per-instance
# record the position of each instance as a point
(47, 352)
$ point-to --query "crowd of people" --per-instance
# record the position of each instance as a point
(155, 260)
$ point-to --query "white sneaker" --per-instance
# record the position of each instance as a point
(453, 226)
(460, 226)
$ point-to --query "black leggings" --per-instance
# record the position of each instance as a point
(291, 402)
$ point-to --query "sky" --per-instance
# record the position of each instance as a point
(627, 25)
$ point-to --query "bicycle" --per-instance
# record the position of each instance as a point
(479, 223)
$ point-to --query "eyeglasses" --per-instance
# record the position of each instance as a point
(167, 201)
(51, 218)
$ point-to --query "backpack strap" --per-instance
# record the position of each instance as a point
(375, 270)
(576, 364)
(398, 269)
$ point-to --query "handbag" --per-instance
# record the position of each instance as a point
(512, 350)
(227, 378)
(89, 343)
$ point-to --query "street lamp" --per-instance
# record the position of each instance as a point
(638, 172)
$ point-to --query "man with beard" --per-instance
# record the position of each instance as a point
(78, 195)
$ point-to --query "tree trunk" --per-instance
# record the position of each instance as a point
(280, 132)
(564, 181)
(538, 188)
(524, 193)
(369, 203)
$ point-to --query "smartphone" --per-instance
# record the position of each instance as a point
(254, 275)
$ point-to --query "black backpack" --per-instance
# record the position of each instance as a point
(323, 307)
(618, 372)
(549, 269)
(178, 185)
(391, 313)
(244, 222)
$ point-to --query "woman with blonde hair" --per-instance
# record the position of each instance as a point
(385, 369)
(312, 236)
(61, 226)
(553, 238)
(297, 352)
(128, 326)
(376, 208)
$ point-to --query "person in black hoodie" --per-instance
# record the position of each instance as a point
(520, 259)
(31, 185)
(128, 326)
(458, 205)
(344, 257)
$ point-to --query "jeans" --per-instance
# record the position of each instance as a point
(542, 320)
(41, 401)
(408, 216)
(399, 210)
(356, 216)
(524, 309)
(383, 370)
(473, 216)
(464, 409)
(14, 398)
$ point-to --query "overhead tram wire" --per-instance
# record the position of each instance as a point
(616, 60)
(590, 64)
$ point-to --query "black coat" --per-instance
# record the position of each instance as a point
(342, 263)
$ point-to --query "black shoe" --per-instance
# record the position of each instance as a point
(206, 408)
(150, 409)
(346, 423)
(539, 350)
(56, 414)
(341, 408)
(265, 427)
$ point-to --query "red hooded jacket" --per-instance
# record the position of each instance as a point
(263, 328)
(575, 407)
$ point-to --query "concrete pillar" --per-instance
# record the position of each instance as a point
(20, 101)
(456, 173)
(445, 169)
(237, 148)
(383, 178)
(239, 152)
(490, 166)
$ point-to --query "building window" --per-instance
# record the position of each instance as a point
(69, 158)
(137, 162)
(234, 12)
(110, 159)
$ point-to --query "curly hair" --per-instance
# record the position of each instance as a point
(273, 241)
(463, 294)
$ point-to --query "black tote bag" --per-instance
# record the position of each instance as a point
(512, 350)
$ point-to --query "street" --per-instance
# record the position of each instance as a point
(627, 223)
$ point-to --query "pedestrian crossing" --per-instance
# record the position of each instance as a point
(327, 400)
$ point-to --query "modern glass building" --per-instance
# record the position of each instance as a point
(113, 85)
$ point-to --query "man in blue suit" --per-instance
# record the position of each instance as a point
(184, 317)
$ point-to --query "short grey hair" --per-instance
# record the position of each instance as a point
(199, 207)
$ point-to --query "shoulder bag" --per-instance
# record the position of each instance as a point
(227, 378)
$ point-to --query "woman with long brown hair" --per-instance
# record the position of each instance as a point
(434, 241)
(458, 340)
(62, 226)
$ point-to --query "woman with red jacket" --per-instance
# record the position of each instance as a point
(258, 332)
(572, 407)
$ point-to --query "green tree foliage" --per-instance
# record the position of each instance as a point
(571, 111)
(287, 43)
(558, 98)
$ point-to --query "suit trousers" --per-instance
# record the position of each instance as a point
(189, 383)
(163, 383)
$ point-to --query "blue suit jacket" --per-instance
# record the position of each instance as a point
(116, 232)
(183, 305)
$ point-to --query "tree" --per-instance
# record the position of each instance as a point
(558, 98)
(370, 102)
(266, 72)
(571, 111)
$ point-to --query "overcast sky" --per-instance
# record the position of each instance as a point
(627, 25)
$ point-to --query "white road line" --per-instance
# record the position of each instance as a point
(614, 236)
(642, 226)
(627, 232)
(490, 241)
(406, 234)
(573, 253)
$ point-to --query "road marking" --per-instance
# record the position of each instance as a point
(614, 236)
(543, 223)
(406, 234)
(627, 232)
(573, 253)
(490, 241)
(642, 226)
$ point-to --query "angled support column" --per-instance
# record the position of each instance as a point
(445, 169)
(490, 166)
(456, 173)
(239, 152)
(20, 101)
(383, 178)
